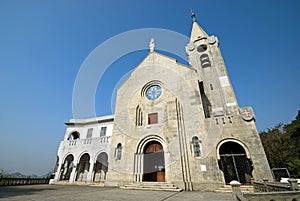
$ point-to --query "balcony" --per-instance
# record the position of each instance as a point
(91, 141)
(88, 143)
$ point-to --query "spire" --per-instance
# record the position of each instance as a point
(197, 31)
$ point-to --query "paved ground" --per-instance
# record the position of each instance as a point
(93, 193)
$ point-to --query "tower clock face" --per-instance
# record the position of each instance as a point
(153, 92)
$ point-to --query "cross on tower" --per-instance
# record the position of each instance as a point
(246, 112)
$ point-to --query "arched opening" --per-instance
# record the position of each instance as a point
(83, 167)
(67, 167)
(154, 162)
(101, 167)
(74, 135)
(234, 163)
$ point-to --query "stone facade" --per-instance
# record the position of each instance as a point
(178, 124)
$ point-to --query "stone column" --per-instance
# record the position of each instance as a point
(58, 172)
(73, 174)
(236, 191)
(91, 171)
(293, 184)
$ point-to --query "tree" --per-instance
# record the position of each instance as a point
(282, 146)
(3, 174)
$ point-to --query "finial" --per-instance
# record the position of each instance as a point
(152, 45)
(193, 16)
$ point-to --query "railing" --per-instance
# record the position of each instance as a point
(266, 186)
(22, 181)
(92, 141)
(267, 191)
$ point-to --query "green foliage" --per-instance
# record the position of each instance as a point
(3, 174)
(282, 146)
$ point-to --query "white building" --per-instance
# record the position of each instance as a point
(83, 154)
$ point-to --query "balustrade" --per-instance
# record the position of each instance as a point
(22, 181)
(89, 141)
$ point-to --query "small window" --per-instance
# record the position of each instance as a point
(89, 133)
(139, 116)
(103, 131)
(205, 60)
(119, 151)
(196, 146)
(152, 118)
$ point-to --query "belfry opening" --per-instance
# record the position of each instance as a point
(154, 162)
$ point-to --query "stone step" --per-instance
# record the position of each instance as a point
(100, 184)
(157, 186)
(151, 184)
(153, 189)
(227, 188)
(162, 187)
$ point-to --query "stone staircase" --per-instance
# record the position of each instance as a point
(152, 186)
(228, 189)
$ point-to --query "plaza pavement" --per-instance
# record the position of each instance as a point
(93, 193)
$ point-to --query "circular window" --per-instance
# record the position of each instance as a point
(202, 48)
(153, 92)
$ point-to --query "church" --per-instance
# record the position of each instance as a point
(173, 124)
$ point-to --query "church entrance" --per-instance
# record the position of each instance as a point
(154, 162)
(234, 163)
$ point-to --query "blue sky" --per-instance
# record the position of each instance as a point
(44, 43)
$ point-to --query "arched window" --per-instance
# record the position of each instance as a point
(139, 116)
(74, 135)
(205, 61)
(119, 151)
(196, 146)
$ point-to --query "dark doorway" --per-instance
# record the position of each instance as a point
(83, 167)
(100, 167)
(234, 163)
(154, 162)
(67, 167)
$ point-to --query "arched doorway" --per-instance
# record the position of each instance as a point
(234, 163)
(83, 167)
(101, 167)
(67, 167)
(154, 162)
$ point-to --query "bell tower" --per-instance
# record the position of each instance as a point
(215, 88)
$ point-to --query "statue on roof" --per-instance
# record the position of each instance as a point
(152, 45)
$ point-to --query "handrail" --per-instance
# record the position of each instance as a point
(22, 181)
